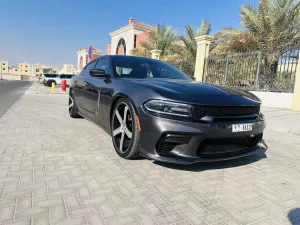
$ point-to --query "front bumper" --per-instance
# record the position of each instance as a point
(154, 129)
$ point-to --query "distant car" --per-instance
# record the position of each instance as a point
(45, 77)
(153, 110)
(58, 79)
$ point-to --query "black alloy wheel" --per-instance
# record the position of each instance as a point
(73, 111)
(125, 129)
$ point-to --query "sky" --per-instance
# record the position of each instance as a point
(51, 31)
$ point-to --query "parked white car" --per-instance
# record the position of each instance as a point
(43, 78)
(58, 79)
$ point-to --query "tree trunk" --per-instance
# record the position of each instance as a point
(269, 70)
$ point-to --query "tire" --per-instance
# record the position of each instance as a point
(50, 83)
(73, 110)
(119, 129)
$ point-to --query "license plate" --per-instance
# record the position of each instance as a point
(241, 127)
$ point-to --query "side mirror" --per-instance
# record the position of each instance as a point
(193, 78)
(98, 73)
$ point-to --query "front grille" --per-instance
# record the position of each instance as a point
(165, 147)
(227, 147)
(200, 111)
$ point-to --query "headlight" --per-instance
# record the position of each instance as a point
(168, 108)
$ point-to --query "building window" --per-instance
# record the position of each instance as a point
(25, 71)
(3, 69)
(81, 63)
(37, 70)
(16, 70)
(121, 48)
(134, 42)
(54, 72)
(3, 64)
(26, 66)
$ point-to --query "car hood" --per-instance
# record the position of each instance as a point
(198, 92)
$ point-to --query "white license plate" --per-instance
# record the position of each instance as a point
(241, 127)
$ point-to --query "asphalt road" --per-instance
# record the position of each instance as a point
(10, 92)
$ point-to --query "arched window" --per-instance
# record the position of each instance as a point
(121, 47)
(81, 63)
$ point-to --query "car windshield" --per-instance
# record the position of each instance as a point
(142, 68)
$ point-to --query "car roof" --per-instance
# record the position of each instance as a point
(124, 56)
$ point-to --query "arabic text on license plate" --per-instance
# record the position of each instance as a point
(241, 127)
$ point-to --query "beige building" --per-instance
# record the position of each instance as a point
(22, 69)
(34, 70)
(38, 69)
(67, 69)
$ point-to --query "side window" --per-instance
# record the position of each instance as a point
(103, 65)
(62, 76)
(89, 67)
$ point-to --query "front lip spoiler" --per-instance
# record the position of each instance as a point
(190, 160)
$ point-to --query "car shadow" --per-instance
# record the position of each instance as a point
(202, 166)
(294, 216)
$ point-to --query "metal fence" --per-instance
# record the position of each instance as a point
(186, 66)
(261, 71)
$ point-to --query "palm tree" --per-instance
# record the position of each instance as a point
(189, 40)
(160, 38)
(270, 28)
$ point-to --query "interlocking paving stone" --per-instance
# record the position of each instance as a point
(24, 203)
(72, 201)
(214, 217)
(95, 219)
(174, 207)
(21, 222)
(230, 221)
(57, 212)
(6, 213)
(257, 214)
(48, 202)
(192, 217)
(144, 218)
(130, 219)
(86, 210)
(73, 221)
(31, 213)
(107, 210)
(153, 209)
(41, 220)
(170, 218)
(94, 200)
(68, 172)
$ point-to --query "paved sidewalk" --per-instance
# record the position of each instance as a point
(59, 170)
(38, 88)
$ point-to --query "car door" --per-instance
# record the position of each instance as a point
(59, 78)
(80, 88)
(95, 86)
